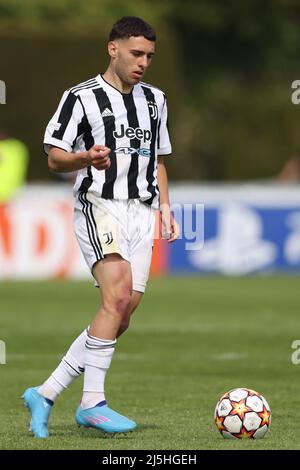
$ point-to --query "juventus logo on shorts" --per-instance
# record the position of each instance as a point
(153, 109)
(109, 238)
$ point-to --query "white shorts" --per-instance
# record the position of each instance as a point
(126, 227)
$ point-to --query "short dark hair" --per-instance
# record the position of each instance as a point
(128, 26)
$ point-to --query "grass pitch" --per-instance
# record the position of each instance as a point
(191, 340)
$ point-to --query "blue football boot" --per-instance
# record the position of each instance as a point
(39, 408)
(103, 418)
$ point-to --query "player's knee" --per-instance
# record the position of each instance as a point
(117, 303)
(122, 303)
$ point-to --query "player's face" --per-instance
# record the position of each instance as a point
(131, 58)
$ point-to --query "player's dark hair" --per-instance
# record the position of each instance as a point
(128, 26)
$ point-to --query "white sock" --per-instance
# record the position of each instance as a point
(98, 356)
(70, 367)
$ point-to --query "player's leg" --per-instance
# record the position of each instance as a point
(113, 274)
(141, 255)
(114, 277)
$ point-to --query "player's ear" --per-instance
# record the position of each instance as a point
(112, 48)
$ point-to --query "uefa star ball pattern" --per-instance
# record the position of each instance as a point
(242, 413)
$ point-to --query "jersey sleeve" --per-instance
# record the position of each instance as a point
(163, 141)
(63, 128)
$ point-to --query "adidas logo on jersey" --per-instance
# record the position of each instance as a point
(107, 113)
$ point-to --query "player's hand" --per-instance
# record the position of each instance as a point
(98, 156)
(170, 228)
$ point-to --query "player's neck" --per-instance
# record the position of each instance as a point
(114, 80)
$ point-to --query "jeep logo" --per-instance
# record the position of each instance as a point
(138, 133)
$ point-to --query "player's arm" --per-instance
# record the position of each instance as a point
(62, 161)
(62, 131)
(169, 225)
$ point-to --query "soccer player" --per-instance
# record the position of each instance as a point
(112, 130)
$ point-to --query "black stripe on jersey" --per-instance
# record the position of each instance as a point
(158, 136)
(65, 116)
(109, 128)
(152, 87)
(158, 139)
(93, 237)
(151, 165)
(88, 138)
(133, 191)
(86, 130)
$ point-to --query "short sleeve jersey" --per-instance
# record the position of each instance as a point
(134, 126)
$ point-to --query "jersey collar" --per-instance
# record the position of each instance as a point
(110, 88)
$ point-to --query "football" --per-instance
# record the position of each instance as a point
(242, 413)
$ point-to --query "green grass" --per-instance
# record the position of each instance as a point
(191, 340)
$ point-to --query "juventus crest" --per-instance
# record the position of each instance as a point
(153, 109)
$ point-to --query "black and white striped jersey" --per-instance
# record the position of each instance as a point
(133, 126)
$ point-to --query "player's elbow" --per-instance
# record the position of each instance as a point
(52, 164)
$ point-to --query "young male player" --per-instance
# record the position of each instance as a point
(112, 130)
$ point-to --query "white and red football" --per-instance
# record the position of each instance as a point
(242, 413)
